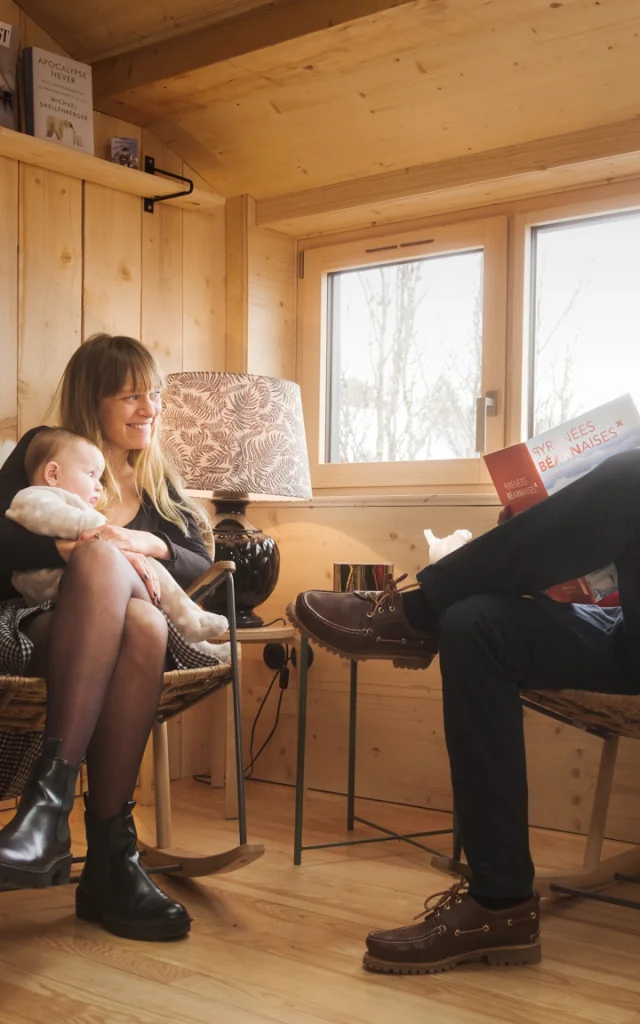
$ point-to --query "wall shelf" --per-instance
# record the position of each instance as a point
(51, 157)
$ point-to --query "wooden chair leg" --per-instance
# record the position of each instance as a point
(163, 784)
(146, 776)
(218, 737)
(601, 800)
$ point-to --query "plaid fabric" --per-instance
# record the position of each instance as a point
(18, 751)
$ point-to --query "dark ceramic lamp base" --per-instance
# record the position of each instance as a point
(256, 557)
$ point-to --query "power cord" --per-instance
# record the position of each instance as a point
(283, 674)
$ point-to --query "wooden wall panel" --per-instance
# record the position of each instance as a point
(401, 748)
(8, 300)
(50, 297)
(162, 269)
(113, 262)
(272, 293)
(104, 127)
(203, 287)
(260, 293)
(239, 214)
(93, 261)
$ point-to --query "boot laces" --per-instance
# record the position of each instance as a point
(443, 900)
(380, 599)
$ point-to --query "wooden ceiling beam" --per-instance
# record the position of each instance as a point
(612, 150)
(263, 27)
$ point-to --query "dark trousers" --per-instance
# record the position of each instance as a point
(495, 643)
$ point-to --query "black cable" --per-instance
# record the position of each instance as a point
(248, 770)
(251, 764)
(273, 622)
(249, 767)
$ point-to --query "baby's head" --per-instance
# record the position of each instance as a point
(58, 458)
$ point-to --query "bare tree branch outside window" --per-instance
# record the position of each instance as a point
(408, 342)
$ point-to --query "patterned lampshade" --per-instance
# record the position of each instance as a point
(236, 434)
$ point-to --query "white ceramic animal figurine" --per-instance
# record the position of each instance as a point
(441, 546)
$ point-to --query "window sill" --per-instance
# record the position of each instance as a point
(389, 501)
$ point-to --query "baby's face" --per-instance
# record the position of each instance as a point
(78, 468)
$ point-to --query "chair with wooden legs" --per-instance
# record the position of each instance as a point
(23, 706)
(608, 716)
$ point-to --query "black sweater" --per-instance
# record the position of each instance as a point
(21, 550)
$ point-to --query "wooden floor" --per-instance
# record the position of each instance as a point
(284, 944)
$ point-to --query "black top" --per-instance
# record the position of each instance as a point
(21, 550)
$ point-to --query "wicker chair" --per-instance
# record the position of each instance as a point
(22, 709)
(608, 716)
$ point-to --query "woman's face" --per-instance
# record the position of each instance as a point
(126, 419)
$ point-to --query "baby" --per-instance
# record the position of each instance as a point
(64, 471)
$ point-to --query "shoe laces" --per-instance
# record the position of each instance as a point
(381, 599)
(443, 900)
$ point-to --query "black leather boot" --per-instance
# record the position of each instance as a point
(114, 888)
(35, 847)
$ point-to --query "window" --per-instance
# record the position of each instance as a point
(585, 316)
(398, 340)
(405, 360)
(403, 338)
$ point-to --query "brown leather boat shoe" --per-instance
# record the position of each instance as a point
(363, 625)
(457, 930)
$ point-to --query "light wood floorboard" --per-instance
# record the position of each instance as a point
(283, 944)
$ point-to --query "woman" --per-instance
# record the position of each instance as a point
(102, 648)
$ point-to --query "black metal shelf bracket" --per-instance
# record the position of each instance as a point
(150, 168)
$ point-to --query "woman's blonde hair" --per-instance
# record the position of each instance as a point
(102, 367)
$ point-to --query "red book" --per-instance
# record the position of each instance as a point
(526, 473)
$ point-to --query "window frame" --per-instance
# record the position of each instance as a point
(489, 234)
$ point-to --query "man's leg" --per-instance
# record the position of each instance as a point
(577, 530)
(582, 528)
(492, 648)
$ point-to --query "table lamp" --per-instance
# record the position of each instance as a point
(236, 438)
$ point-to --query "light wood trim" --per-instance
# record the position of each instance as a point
(51, 157)
(518, 376)
(210, 575)
(163, 785)
(275, 23)
(489, 234)
(239, 217)
(601, 800)
(611, 150)
(146, 775)
(9, 300)
(596, 196)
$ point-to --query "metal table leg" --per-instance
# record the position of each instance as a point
(302, 742)
(351, 781)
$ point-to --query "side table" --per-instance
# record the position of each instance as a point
(223, 743)
(352, 818)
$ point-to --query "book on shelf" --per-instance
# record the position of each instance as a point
(123, 151)
(57, 99)
(9, 52)
(529, 472)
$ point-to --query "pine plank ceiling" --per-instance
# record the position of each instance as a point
(292, 95)
(92, 29)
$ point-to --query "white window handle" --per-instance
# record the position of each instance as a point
(486, 405)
